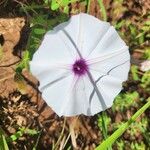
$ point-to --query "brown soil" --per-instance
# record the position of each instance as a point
(21, 104)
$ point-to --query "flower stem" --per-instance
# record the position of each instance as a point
(110, 140)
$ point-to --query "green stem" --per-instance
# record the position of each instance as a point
(103, 10)
(88, 6)
(110, 140)
(104, 126)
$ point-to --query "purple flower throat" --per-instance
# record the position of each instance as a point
(80, 67)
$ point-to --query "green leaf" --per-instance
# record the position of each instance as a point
(39, 31)
(46, 1)
(147, 53)
(125, 100)
(110, 140)
(21, 132)
(148, 35)
(39, 20)
(31, 131)
(147, 22)
(65, 2)
(66, 9)
(24, 62)
(103, 123)
(146, 80)
(140, 34)
(54, 5)
(134, 71)
(16, 136)
(133, 30)
(118, 25)
(3, 143)
(146, 28)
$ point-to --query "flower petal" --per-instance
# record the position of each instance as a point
(121, 71)
(110, 42)
(57, 95)
(73, 98)
(53, 50)
(79, 98)
(80, 28)
(87, 26)
(48, 74)
(105, 65)
(109, 85)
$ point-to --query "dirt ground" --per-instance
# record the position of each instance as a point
(21, 104)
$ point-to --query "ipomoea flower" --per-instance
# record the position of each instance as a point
(81, 65)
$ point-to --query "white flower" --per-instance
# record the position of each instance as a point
(145, 66)
(81, 65)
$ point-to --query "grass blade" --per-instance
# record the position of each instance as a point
(104, 127)
(3, 143)
(88, 5)
(110, 140)
(103, 10)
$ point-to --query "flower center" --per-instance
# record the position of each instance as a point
(80, 67)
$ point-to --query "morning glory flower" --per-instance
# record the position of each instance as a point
(81, 65)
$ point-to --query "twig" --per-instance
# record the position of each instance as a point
(66, 140)
(139, 51)
(29, 82)
(10, 64)
(62, 143)
(61, 134)
(37, 141)
(88, 128)
(72, 132)
(23, 7)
